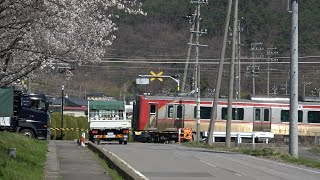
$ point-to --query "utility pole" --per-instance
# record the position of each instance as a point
(254, 47)
(218, 82)
(192, 19)
(304, 85)
(318, 91)
(274, 89)
(270, 53)
(238, 57)
(125, 91)
(286, 88)
(231, 80)
(62, 101)
(197, 82)
(198, 32)
(293, 136)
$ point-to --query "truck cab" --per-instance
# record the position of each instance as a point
(34, 117)
(24, 113)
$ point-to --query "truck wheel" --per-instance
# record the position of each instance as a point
(27, 132)
(125, 142)
(120, 141)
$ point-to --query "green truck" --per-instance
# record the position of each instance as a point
(24, 112)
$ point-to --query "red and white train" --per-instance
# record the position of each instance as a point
(159, 114)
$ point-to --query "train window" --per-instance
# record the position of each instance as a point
(266, 115)
(300, 116)
(205, 112)
(314, 117)
(285, 114)
(179, 111)
(237, 113)
(152, 108)
(257, 114)
(170, 111)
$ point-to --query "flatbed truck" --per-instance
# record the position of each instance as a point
(107, 121)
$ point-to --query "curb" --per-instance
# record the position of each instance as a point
(123, 168)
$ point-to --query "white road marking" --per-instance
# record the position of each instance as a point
(126, 164)
(197, 159)
(207, 163)
(181, 154)
(316, 172)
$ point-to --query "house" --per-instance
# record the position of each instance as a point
(71, 106)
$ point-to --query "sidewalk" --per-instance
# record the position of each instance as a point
(67, 160)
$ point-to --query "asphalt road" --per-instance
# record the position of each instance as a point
(175, 162)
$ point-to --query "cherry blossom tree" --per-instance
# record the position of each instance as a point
(35, 34)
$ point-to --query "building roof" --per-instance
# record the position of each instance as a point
(70, 101)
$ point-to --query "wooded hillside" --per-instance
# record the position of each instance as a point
(163, 35)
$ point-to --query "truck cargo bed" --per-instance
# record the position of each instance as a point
(109, 124)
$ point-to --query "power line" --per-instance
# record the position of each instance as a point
(157, 61)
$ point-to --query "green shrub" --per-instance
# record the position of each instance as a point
(68, 122)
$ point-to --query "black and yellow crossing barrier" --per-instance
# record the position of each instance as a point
(68, 129)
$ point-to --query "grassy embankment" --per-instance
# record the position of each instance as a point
(30, 157)
(269, 153)
(68, 122)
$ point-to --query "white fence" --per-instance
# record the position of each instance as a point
(262, 136)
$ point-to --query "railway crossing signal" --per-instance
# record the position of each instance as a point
(159, 76)
(156, 74)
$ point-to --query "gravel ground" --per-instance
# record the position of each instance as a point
(304, 152)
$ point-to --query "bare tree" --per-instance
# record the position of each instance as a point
(38, 33)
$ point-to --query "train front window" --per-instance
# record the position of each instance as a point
(152, 109)
(314, 117)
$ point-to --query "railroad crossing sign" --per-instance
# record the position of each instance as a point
(143, 78)
(156, 74)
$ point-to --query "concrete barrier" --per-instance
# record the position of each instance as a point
(114, 162)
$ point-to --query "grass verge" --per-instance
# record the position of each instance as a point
(269, 153)
(113, 173)
(30, 157)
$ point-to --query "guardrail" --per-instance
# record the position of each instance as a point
(262, 136)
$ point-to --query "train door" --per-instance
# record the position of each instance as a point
(261, 119)
(175, 115)
(153, 115)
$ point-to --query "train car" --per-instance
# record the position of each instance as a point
(168, 113)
